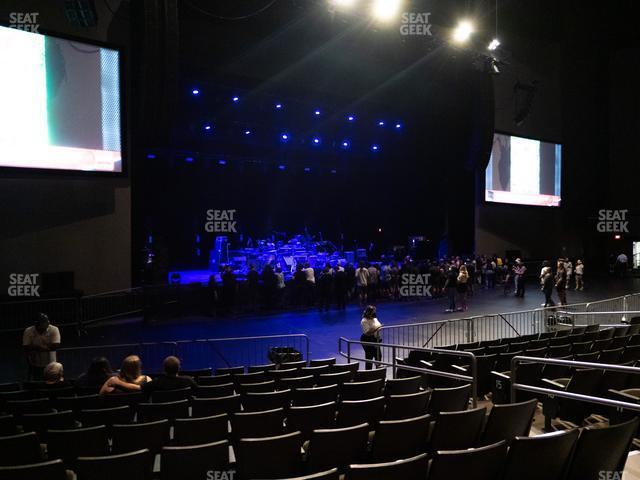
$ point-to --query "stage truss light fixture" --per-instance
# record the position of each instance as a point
(463, 31)
(195, 92)
(235, 99)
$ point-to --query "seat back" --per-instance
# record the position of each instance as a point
(306, 381)
(315, 371)
(8, 425)
(194, 462)
(198, 431)
(214, 391)
(457, 430)
(206, 407)
(449, 399)
(610, 356)
(413, 468)
(200, 372)
(229, 371)
(508, 421)
(558, 351)
(21, 407)
(269, 423)
(337, 447)
(248, 378)
(106, 416)
(165, 396)
(76, 404)
(262, 387)
(315, 396)
(361, 390)
(355, 412)
(406, 406)
(336, 378)
(261, 368)
(119, 399)
(581, 347)
(271, 457)
(309, 418)
(322, 361)
(81, 442)
(214, 380)
(20, 449)
(368, 375)
(403, 386)
(51, 470)
(150, 412)
(602, 450)
(135, 465)
(351, 367)
(484, 463)
(137, 436)
(41, 422)
(524, 461)
(260, 402)
(396, 439)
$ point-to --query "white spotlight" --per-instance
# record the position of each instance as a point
(463, 31)
(495, 43)
(343, 3)
(385, 10)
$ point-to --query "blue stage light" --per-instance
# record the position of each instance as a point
(307, 169)
(398, 126)
(381, 123)
(316, 140)
(284, 137)
(188, 159)
(345, 144)
(375, 147)
(281, 167)
(351, 118)
(207, 127)
(235, 99)
(278, 106)
(317, 112)
(247, 132)
(151, 155)
(195, 91)
(222, 162)
(334, 171)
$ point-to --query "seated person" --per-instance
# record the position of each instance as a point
(99, 371)
(128, 380)
(53, 376)
(170, 380)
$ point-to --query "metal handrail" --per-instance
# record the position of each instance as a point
(473, 378)
(562, 394)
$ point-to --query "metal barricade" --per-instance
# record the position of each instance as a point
(600, 318)
(390, 354)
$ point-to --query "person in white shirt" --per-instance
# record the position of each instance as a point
(370, 333)
(579, 272)
(568, 266)
(40, 342)
(362, 282)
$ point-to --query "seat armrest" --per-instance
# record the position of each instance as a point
(426, 364)
(500, 375)
(624, 395)
(552, 384)
(460, 368)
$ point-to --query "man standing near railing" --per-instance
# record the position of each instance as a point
(40, 342)
(518, 274)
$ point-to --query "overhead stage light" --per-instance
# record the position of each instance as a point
(495, 43)
(351, 118)
(317, 112)
(278, 106)
(281, 167)
(375, 147)
(316, 140)
(284, 137)
(343, 3)
(247, 132)
(235, 99)
(345, 144)
(385, 10)
(463, 31)
(207, 127)
(195, 91)
(398, 126)
(222, 162)
(381, 123)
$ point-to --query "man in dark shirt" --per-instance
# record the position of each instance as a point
(451, 287)
(170, 380)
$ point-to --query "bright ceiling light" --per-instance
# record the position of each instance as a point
(343, 3)
(385, 10)
(495, 43)
(463, 31)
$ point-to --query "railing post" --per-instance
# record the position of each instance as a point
(474, 382)
(393, 362)
(625, 308)
(512, 374)
(348, 351)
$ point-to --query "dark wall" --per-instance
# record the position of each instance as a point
(53, 222)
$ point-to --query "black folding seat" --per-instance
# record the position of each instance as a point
(403, 386)
(395, 439)
(297, 364)
(590, 337)
(541, 343)
(361, 411)
(484, 463)
(634, 329)
(41, 422)
(314, 371)
(8, 425)
(618, 342)
(319, 362)
(337, 378)
(449, 399)
(467, 346)
(518, 346)
(76, 404)
(620, 330)
(137, 436)
(337, 448)
(199, 372)
(262, 387)
(503, 360)
(345, 367)
(494, 349)
(53, 393)
(634, 340)
(214, 391)
(84, 391)
(587, 357)
(20, 407)
(543, 456)
(413, 468)
(602, 450)
(307, 381)
(150, 412)
(610, 356)
(137, 465)
(592, 328)
(268, 423)
(361, 390)
(307, 419)
(559, 341)
(20, 449)
(557, 371)
(260, 402)
(536, 352)
(546, 335)
(271, 457)
(488, 343)
(575, 338)
(9, 387)
(527, 373)
(582, 381)
(508, 421)
(106, 416)
(229, 371)
(214, 380)
(119, 399)
(399, 407)
(576, 330)
(51, 470)
(558, 351)
(581, 347)
(165, 396)
(368, 375)
(601, 344)
(194, 462)
(261, 368)
(315, 396)
(248, 378)
(457, 430)
(80, 442)
(198, 431)
(206, 407)
(278, 375)
(563, 333)
(631, 354)
(606, 333)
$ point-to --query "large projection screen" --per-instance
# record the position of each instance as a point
(60, 104)
(524, 171)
